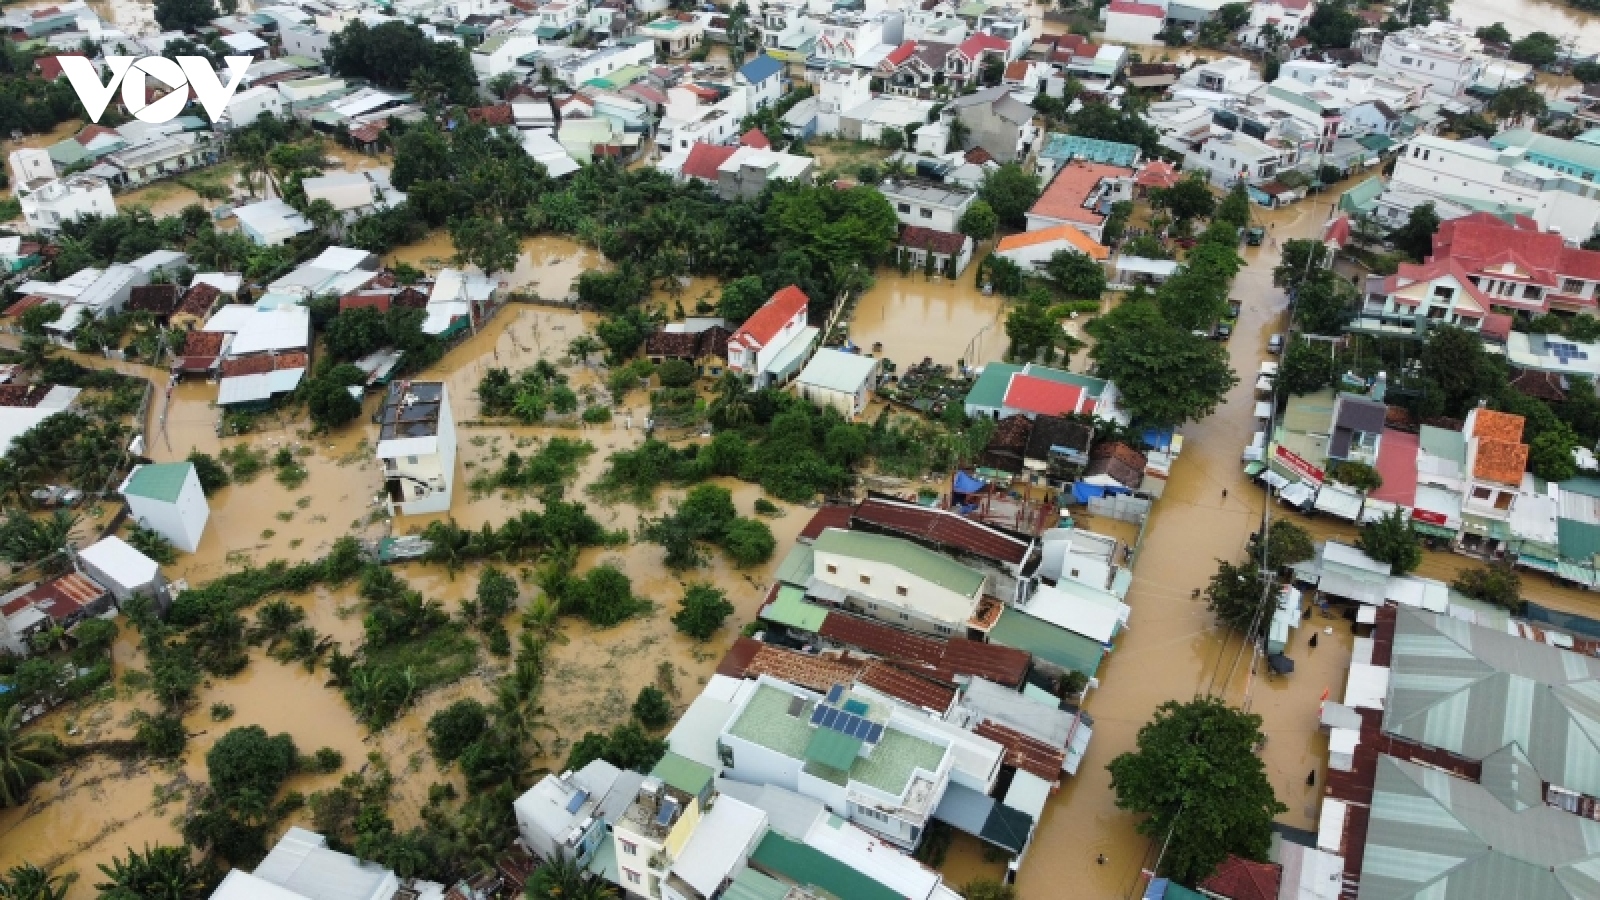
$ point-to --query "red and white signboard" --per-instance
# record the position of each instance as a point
(1298, 465)
(1432, 518)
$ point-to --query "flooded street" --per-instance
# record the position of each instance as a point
(1525, 16)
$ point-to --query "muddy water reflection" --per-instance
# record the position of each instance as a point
(914, 317)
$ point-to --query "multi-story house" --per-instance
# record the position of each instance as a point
(564, 816)
(842, 37)
(1504, 179)
(895, 581)
(910, 69)
(966, 61)
(928, 204)
(1273, 23)
(935, 20)
(772, 345)
(652, 832)
(582, 67)
(1449, 57)
(48, 202)
(1406, 303)
(1081, 194)
(702, 112)
(874, 763)
(1496, 460)
(417, 446)
(764, 76)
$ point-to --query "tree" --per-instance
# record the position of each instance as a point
(1538, 49)
(979, 221)
(497, 593)
(1306, 368)
(1516, 103)
(563, 879)
(248, 759)
(1167, 375)
(1235, 595)
(1462, 372)
(1332, 26)
(24, 758)
(651, 707)
(741, 298)
(33, 321)
(29, 882)
(158, 873)
(1076, 274)
(1392, 540)
(1200, 786)
(1550, 454)
(1496, 583)
(184, 15)
(676, 373)
(395, 54)
(213, 476)
(330, 403)
(160, 736)
(1358, 475)
(1235, 208)
(1415, 238)
(1494, 34)
(748, 542)
(1287, 544)
(485, 243)
(1322, 305)
(1010, 192)
(455, 728)
(1031, 330)
(988, 889)
(1190, 198)
(1586, 72)
(702, 611)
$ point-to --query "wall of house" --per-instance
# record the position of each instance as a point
(1440, 171)
(1001, 138)
(634, 867)
(755, 764)
(940, 218)
(848, 403)
(772, 348)
(1450, 74)
(182, 522)
(880, 596)
(427, 467)
(72, 204)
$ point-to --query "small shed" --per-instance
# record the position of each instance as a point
(124, 571)
(839, 379)
(166, 498)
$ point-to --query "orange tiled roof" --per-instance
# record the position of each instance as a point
(814, 672)
(1084, 244)
(1500, 461)
(1065, 196)
(1492, 425)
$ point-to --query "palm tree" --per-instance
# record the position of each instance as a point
(29, 882)
(959, 132)
(732, 405)
(542, 622)
(425, 86)
(563, 879)
(24, 759)
(321, 214)
(162, 873)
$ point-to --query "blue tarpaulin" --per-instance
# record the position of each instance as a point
(966, 484)
(1158, 438)
(1083, 492)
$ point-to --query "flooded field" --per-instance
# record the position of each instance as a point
(945, 319)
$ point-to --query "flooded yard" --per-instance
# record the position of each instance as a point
(913, 316)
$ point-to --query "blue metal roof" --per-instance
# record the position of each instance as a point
(760, 69)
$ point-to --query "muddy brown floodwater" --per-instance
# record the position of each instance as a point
(942, 318)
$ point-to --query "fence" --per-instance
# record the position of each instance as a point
(1124, 508)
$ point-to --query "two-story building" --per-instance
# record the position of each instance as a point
(1496, 460)
(928, 204)
(565, 816)
(996, 121)
(417, 446)
(1081, 195)
(895, 581)
(772, 345)
(1560, 197)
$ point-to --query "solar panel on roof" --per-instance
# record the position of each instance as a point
(835, 692)
(817, 714)
(875, 734)
(830, 717)
(577, 801)
(669, 808)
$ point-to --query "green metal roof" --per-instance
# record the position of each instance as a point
(798, 566)
(683, 773)
(1578, 541)
(1051, 644)
(1066, 146)
(990, 388)
(1583, 155)
(1587, 485)
(161, 481)
(1361, 196)
(1377, 143)
(1443, 443)
(834, 749)
(752, 885)
(903, 555)
(807, 866)
(547, 32)
(791, 609)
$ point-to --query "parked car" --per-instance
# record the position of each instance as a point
(1222, 332)
(1275, 344)
(1233, 309)
(1255, 236)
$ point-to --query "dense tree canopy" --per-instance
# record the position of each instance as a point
(1010, 192)
(397, 55)
(184, 15)
(1200, 786)
(1167, 375)
(1392, 540)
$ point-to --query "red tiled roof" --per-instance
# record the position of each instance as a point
(978, 156)
(411, 298)
(1500, 461)
(919, 238)
(1397, 463)
(903, 685)
(704, 159)
(762, 327)
(1001, 665)
(203, 343)
(378, 300)
(1337, 232)
(1016, 72)
(1070, 187)
(646, 92)
(815, 672)
(982, 43)
(1158, 173)
(50, 66)
(262, 363)
(498, 114)
(90, 132)
(198, 299)
(23, 305)
(366, 134)
(1030, 393)
(941, 527)
(880, 640)
(900, 54)
(1244, 879)
(827, 517)
(678, 344)
(1540, 385)
(23, 395)
(1494, 425)
(1148, 10)
(1023, 752)
(755, 138)
(1496, 326)
(160, 299)
(738, 657)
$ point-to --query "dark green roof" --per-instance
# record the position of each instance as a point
(1049, 643)
(808, 866)
(834, 749)
(1007, 827)
(903, 555)
(791, 609)
(683, 773)
(161, 481)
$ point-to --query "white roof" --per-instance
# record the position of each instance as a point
(272, 215)
(14, 420)
(719, 844)
(1052, 725)
(836, 370)
(253, 388)
(263, 330)
(873, 858)
(1079, 608)
(159, 259)
(548, 152)
(241, 885)
(1144, 265)
(1367, 686)
(1352, 557)
(226, 282)
(1028, 794)
(776, 163)
(70, 318)
(302, 863)
(694, 735)
(552, 805)
(1339, 501)
(1409, 590)
(117, 560)
(66, 288)
(440, 315)
(1330, 825)
(340, 259)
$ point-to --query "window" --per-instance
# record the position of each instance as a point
(1444, 293)
(412, 460)
(905, 617)
(903, 207)
(629, 847)
(1530, 292)
(633, 877)
(927, 213)
(833, 569)
(1405, 60)
(1571, 286)
(1481, 493)
(901, 590)
(872, 606)
(872, 814)
(1503, 499)
(866, 579)
(725, 753)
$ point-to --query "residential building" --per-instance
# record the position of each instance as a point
(717, 852)
(563, 816)
(775, 342)
(764, 75)
(64, 200)
(248, 105)
(1133, 23)
(1496, 460)
(417, 446)
(166, 498)
(874, 763)
(967, 60)
(499, 54)
(886, 112)
(651, 833)
(1060, 149)
(1285, 18)
(989, 394)
(301, 866)
(123, 571)
(157, 158)
(896, 581)
(1502, 181)
(1081, 195)
(1032, 250)
(580, 68)
(910, 69)
(271, 223)
(696, 112)
(354, 194)
(675, 37)
(839, 90)
(706, 348)
(844, 381)
(945, 253)
(1446, 56)
(1358, 428)
(747, 171)
(1232, 155)
(38, 607)
(928, 204)
(997, 122)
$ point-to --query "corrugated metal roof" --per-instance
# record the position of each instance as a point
(256, 388)
(1047, 642)
(160, 481)
(904, 555)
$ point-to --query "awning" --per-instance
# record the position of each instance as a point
(1253, 469)
(1264, 409)
(1297, 494)
(1275, 481)
(1432, 530)
(1339, 501)
(1377, 143)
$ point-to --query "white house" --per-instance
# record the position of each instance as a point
(1032, 250)
(1133, 23)
(895, 581)
(564, 815)
(47, 206)
(928, 204)
(1484, 177)
(417, 446)
(838, 379)
(248, 105)
(271, 223)
(302, 866)
(124, 571)
(166, 498)
(354, 194)
(1449, 59)
(772, 344)
(579, 68)
(499, 54)
(764, 75)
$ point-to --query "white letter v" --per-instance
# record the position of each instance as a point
(85, 80)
